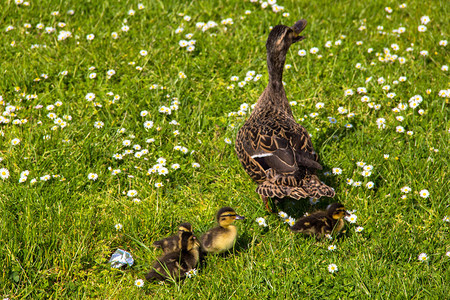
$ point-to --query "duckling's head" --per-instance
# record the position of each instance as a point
(189, 241)
(226, 216)
(185, 227)
(282, 37)
(336, 211)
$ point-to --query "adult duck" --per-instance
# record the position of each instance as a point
(274, 150)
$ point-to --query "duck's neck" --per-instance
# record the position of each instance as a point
(275, 65)
(274, 95)
(226, 225)
(196, 254)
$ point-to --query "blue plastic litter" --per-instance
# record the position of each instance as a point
(121, 258)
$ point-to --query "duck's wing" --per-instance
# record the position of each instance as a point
(282, 147)
(312, 224)
(211, 240)
(207, 239)
(301, 144)
(160, 243)
(168, 244)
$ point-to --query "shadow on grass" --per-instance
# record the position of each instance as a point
(243, 242)
(297, 208)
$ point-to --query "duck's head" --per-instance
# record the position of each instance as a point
(185, 227)
(282, 37)
(226, 216)
(189, 241)
(336, 211)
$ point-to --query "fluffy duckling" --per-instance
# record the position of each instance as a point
(174, 265)
(221, 238)
(172, 243)
(321, 223)
(273, 148)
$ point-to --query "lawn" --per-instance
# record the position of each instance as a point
(118, 121)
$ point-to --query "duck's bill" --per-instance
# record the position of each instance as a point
(238, 217)
(298, 27)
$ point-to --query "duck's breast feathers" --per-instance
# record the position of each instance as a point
(339, 226)
(219, 239)
(300, 141)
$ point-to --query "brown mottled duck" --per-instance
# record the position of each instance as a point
(322, 223)
(221, 238)
(274, 150)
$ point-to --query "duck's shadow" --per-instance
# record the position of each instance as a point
(298, 208)
(243, 242)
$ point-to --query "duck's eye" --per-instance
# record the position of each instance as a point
(229, 215)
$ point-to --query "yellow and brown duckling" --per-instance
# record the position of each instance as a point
(174, 265)
(321, 223)
(173, 243)
(272, 147)
(221, 238)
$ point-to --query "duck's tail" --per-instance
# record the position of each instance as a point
(273, 190)
(316, 188)
(311, 186)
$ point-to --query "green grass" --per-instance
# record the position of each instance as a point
(57, 236)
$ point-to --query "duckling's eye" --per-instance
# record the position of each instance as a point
(229, 215)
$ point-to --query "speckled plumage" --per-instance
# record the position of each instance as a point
(174, 265)
(321, 223)
(272, 147)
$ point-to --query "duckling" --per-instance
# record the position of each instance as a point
(172, 243)
(174, 265)
(221, 238)
(321, 223)
(272, 147)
